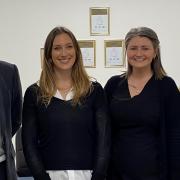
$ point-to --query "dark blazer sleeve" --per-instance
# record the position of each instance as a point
(30, 135)
(172, 115)
(16, 106)
(102, 134)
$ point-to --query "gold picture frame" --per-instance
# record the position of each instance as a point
(114, 53)
(88, 50)
(99, 21)
(41, 56)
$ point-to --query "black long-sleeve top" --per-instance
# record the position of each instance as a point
(61, 136)
(145, 129)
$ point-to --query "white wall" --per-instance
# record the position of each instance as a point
(24, 26)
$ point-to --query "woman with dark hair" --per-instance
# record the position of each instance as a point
(65, 130)
(144, 107)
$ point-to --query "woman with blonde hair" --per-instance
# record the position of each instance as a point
(65, 129)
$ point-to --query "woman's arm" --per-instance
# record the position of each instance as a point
(16, 107)
(102, 134)
(172, 116)
(30, 135)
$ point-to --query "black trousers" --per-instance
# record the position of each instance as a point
(3, 170)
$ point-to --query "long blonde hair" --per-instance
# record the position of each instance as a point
(80, 79)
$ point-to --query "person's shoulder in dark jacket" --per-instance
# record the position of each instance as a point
(7, 67)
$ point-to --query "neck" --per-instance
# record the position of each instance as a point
(141, 74)
(62, 75)
(63, 79)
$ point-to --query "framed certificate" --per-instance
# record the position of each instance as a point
(99, 21)
(114, 53)
(88, 52)
(41, 56)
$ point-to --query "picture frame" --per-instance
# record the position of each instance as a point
(99, 21)
(114, 53)
(88, 50)
(41, 56)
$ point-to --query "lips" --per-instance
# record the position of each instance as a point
(138, 59)
(64, 61)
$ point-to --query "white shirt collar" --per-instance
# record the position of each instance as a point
(69, 95)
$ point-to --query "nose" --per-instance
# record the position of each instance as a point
(139, 52)
(64, 51)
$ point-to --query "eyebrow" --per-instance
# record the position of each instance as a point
(140, 46)
(70, 43)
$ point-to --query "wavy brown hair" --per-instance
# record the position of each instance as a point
(80, 80)
(156, 64)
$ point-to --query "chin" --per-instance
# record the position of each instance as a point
(65, 68)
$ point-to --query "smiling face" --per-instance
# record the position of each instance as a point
(63, 53)
(140, 52)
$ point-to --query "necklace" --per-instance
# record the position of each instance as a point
(136, 86)
(137, 90)
(65, 91)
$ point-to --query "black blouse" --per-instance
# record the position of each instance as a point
(135, 129)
